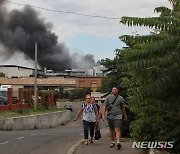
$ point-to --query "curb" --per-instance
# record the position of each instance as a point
(75, 146)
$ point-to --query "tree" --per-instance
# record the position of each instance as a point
(2, 74)
(151, 66)
(114, 75)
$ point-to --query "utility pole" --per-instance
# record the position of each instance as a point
(35, 78)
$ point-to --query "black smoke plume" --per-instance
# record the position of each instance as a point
(20, 29)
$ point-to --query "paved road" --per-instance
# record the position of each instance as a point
(45, 141)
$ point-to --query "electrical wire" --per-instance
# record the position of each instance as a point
(61, 11)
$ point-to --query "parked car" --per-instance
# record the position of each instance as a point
(4, 92)
(15, 100)
(3, 100)
(68, 107)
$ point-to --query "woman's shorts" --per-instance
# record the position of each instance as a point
(114, 123)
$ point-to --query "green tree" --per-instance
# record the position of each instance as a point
(2, 74)
(61, 89)
(114, 75)
(151, 66)
(114, 78)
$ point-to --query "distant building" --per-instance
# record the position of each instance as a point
(96, 71)
(45, 83)
(51, 73)
(54, 82)
(78, 72)
(99, 97)
(71, 78)
(14, 71)
(89, 82)
(99, 71)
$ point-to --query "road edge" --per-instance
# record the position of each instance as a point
(76, 145)
(73, 148)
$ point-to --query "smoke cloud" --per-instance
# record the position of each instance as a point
(20, 29)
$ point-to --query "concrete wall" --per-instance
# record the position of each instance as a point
(39, 121)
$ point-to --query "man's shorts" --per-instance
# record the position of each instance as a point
(114, 123)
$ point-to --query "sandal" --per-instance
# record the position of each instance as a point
(86, 142)
(91, 140)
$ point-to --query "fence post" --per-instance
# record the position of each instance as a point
(49, 98)
(10, 98)
(43, 98)
(52, 98)
(20, 96)
(30, 97)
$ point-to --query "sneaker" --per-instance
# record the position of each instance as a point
(118, 146)
(112, 145)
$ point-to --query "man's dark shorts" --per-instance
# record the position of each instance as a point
(116, 123)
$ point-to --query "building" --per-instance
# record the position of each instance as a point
(49, 79)
(76, 72)
(99, 71)
(51, 73)
(46, 83)
(54, 82)
(96, 71)
(14, 71)
(89, 82)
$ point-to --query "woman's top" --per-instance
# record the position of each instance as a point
(89, 112)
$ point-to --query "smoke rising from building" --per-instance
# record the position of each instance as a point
(20, 29)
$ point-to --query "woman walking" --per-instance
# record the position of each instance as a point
(90, 116)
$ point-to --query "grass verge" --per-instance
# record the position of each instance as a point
(25, 112)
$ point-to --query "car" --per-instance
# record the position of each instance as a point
(15, 100)
(4, 95)
(68, 107)
(3, 100)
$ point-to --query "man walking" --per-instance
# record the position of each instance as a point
(115, 107)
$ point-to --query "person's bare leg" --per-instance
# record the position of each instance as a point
(118, 134)
(112, 133)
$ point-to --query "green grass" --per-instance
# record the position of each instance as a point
(25, 112)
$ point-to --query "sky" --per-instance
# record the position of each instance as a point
(86, 35)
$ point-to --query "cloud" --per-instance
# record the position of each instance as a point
(68, 25)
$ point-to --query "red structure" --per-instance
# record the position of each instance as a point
(24, 105)
(51, 99)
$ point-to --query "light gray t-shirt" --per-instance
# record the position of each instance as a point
(116, 111)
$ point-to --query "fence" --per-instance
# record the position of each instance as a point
(25, 99)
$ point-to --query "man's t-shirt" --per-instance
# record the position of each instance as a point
(116, 111)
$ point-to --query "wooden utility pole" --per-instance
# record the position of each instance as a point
(35, 78)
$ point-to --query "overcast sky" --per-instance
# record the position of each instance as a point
(87, 35)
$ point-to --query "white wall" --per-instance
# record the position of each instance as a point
(15, 71)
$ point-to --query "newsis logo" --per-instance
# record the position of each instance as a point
(153, 145)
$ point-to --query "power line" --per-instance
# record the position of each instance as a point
(61, 11)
